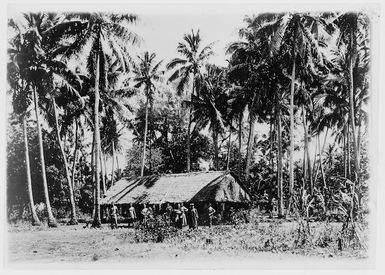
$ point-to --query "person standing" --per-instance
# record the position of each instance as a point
(168, 213)
(145, 214)
(193, 217)
(131, 215)
(211, 212)
(184, 210)
(114, 216)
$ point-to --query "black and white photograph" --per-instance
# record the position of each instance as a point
(192, 135)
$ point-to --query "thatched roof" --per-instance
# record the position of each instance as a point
(220, 186)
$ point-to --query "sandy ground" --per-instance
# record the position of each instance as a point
(71, 246)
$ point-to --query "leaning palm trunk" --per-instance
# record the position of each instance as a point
(320, 160)
(250, 145)
(97, 220)
(51, 219)
(279, 164)
(75, 155)
(228, 152)
(35, 218)
(117, 167)
(70, 185)
(144, 141)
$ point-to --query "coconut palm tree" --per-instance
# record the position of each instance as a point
(295, 35)
(40, 69)
(101, 35)
(353, 39)
(210, 105)
(21, 102)
(250, 67)
(189, 69)
(146, 74)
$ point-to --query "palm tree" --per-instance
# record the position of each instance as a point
(101, 35)
(353, 37)
(295, 35)
(21, 101)
(210, 106)
(189, 67)
(146, 74)
(250, 67)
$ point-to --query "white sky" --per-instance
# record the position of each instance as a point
(162, 33)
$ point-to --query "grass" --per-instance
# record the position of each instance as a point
(274, 240)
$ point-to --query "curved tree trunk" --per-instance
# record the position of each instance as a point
(97, 220)
(51, 219)
(67, 172)
(35, 218)
(250, 145)
(144, 141)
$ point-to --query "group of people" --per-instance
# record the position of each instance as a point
(179, 217)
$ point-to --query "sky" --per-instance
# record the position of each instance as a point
(162, 33)
(162, 26)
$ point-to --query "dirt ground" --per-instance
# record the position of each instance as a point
(262, 245)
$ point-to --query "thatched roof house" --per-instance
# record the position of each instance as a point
(213, 186)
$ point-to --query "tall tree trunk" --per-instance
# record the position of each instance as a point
(63, 154)
(215, 141)
(228, 152)
(250, 145)
(291, 111)
(113, 164)
(356, 177)
(97, 220)
(117, 166)
(345, 153)
(35, 218)
(271, 144)
(189, 129)
(348, 156)
(51, 219)
(320, 161)
(144, 141)
(75, 154)
(279, 163)
(240, 145)
(105, 168)
(309, 168)
(321, 151)
(103, 172)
